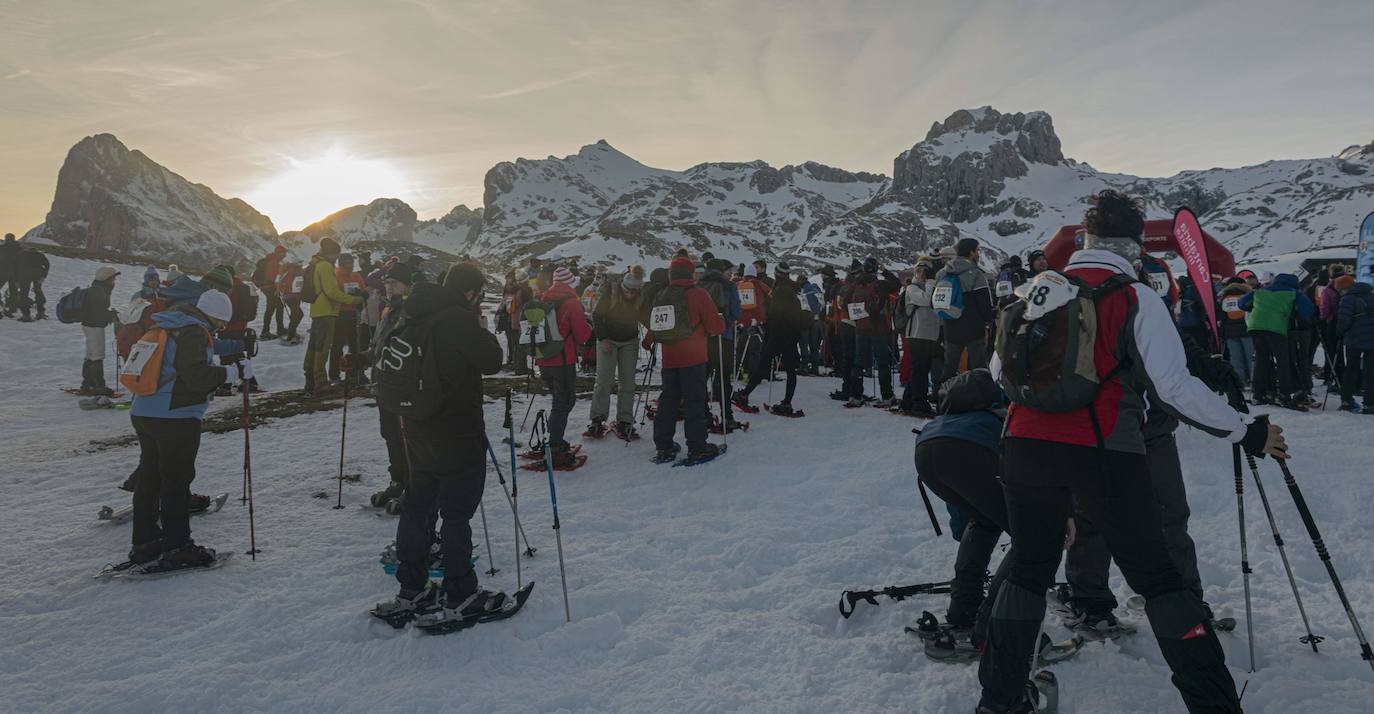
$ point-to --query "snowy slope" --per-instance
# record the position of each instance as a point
(710, 589)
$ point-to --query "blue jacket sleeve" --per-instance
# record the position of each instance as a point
(1247, 302)
(1304, 306)
(735, 308)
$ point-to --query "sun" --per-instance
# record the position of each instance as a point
(310, 189)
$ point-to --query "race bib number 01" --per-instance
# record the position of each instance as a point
(1049, 291)
(1160, 283)
(1003, 288)
(858, 311)
(747, 298)
(662, 318)
(1231, 304)
(941, 298)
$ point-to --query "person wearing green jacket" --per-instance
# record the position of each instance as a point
(324, 312)
(1271, 310)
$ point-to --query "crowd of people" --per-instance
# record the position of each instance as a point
(1056, 431)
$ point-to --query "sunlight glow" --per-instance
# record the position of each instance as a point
(311, 189)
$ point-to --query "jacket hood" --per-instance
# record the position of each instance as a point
(1361, 289)
(714, 276)
(961, 265)
(559, 290)
(429, 298)
(1284, 281)
(178, 317)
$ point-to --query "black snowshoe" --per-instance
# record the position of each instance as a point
(407, 606)
(665, 456)
(482, 606)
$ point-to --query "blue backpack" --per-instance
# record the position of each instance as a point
(69, 307)
(948, 297)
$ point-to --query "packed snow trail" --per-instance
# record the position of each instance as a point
(712, 588)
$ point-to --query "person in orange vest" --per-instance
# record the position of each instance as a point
(753, 301)
(346, 329)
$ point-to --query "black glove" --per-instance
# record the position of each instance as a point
(1256, 436)
(250, 342)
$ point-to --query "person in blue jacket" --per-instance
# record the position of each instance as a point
(168, 422)
(813, 303)
(1355, 325)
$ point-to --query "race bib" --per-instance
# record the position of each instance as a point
(942, 296)
(858, 311)
(662, 318)
(1231, 304)
(1047, 292)
(746, 298)
(1003, 288)
(134, 312)
(139, 354)
(352, 288)
(297, 284)
(525, 336)
(1160, 283)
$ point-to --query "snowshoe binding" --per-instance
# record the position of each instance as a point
(482, 606)
(596, 430)
(707, 453)
(666, 456)
(406, 606)
(742, 403)
(625, 431)
(785, 410)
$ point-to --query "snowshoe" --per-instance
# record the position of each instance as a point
(785, 410)
(537, 453)
(625, 431)
(564, 459)
(742, 403)
(734, 426)
(187, 558)
(94, 403)
(855, 402)
(596, 430)
(708, 453)
(952, 645)
(1351, 407)
(664, 456)
(482, 606)
(1293, 404)
(405, 607)
(126, 514)
(839, 396)
(1095, 626)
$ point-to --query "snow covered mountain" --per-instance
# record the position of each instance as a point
(388, 219)
(113, 199)
(454, 233)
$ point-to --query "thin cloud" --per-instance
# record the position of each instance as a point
(540, 86)
(16, 75)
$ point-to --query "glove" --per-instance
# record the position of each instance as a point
(648, 342)
(1257, 437)
(250, 343)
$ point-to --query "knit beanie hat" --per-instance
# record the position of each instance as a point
(150, 275)
(215, 304)
(564, 276)
(401, 273)
(634, 278)
(1344, 282)
(329, 247)
(681, 268)
(462, 277)
(220, 278)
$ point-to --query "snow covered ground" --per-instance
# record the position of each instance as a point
(709, 589)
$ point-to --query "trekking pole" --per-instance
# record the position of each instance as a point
(643, 394)
(540, 422)
(1310, 639)
(648, 377)
(343, 432)
(486, 535)
(510, 499)
(1244, 554)
(724, 422)
(1365, 652)
(925, 497)
(248, 468)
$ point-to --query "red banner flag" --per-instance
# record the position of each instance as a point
(1193, 249)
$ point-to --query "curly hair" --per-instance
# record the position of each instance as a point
(1115, 215)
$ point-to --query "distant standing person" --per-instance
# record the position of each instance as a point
(324, 312)
(963, 300)
(96, 315)
(30, 270)
(346, 326)
(265, 276)
(559, 371)
(616, 318)
(289, 289)
(9, 256)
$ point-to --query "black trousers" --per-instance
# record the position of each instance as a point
(1359, 375)
(1304, 348)
(785, 351)
(868, 350)
(842, 351)
(293, 306)
(1273, 364)
(562, 384)
(448, 477)
(274, 308)
(965, 475)
(917, 390)
(714, 349)
(1042, 479)
(166, 468)
(393, 433)
(1089, 560)
(685, 386)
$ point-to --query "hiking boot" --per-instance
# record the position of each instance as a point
(563, 456)
(625, 430)
(855, 402)
(840, 395)
(706, 452)
(197, 503)
(1368, 407)
(390, 493)
(1291, 403)
(741, 401)
(783, 408)
(187, 556)
(409, 603)
(146, 552)
(663, 456)
(482, 602)
(596, 429)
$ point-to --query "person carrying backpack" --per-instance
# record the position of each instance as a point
(29, 272)
(563, 328)
(865, 302)
(682, 321)
(440, 335)
(95, 316)
(321, 289)
(399, 279)
(346, 325)
(265, 275)
(1328, 309)
(167, 420)
(720, 352)
(1355, 326)
(1076, 436)
(964, 303)
(753, 301)
(1271, 309)
(616, 317)
(784, 328)
(813, 332)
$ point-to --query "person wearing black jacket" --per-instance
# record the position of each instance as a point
(9, 258)
(398, 280)
(448, 450)
(96, 315)
(616, 319)
(30, 269)
(780, 343)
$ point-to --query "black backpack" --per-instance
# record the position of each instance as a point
(310, 292)
(245, 303)
(260, 272)
(670, 318)
(408, 382)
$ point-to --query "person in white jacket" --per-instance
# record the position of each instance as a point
(921, 339)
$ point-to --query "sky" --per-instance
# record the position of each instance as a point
(417, 99)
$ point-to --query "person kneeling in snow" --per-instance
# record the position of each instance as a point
(167, 422)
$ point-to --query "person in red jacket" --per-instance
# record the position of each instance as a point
(560, 371)
(684, 367)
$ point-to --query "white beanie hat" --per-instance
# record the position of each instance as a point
(563, 275)
(215, 304)
(750, 271)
